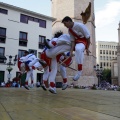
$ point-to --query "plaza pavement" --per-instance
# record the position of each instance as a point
(71, 104)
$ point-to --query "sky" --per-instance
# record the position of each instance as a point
(107, 15)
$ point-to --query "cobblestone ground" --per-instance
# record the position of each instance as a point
(71, 104)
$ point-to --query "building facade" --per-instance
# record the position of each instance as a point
(73, 8)
(118, 55)
(105, 52)
(21, 30)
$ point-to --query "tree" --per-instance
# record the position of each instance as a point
(107, 75)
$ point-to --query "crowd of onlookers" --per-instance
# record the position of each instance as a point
(102, 86)
(15, 83)
(10, 84)
(96, 87)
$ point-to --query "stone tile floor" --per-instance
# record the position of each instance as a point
(71, 104)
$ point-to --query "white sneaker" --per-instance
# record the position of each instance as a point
(64, 86)
(77, 76)
(52, 90)
(43, 87)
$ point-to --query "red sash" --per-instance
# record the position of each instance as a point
(78, 39)
(45, 58)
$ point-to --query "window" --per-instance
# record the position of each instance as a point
(103, 57)
(100, 51)
(31, 18)
(2, 52)
(41, 42)
(2, 35)
(23, 36)
(107, 57)
(104, 63)
(3, 11)
(36, 20)
(107, 64)
(109, 52)
(106, 51)
(23, 39)
(42, 23)
(24, 18)
(21, 53)
(35, 51)
(110, 64)
(112, 52)
(2, 76)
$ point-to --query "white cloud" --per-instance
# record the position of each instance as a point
(108, 14)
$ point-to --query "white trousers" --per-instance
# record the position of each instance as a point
(29, 75)
(79, 53)
(63, 71)
(53, 52)
(52, 79)
(35, 63)
(53, 72)
(46, 73)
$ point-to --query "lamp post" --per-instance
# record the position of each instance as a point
(10, 63)
(98, 70)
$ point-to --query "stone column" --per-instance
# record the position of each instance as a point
(118, 61)
(118, 55)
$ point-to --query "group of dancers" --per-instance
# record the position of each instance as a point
(60, 50)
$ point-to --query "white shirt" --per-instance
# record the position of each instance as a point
(30, 57)
(81, 30)
(64, 38)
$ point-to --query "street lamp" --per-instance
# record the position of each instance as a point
(9, 64)
(98, 70)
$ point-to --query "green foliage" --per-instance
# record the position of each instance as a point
(107, 75)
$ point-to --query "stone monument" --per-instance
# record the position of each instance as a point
(73, 8)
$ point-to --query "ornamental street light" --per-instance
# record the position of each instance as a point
(10, 63)
(98, 70)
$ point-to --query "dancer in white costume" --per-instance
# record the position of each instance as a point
(52, 53)
(62, 67)
(80, 38)
(32, 63)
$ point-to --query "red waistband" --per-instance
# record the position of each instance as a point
(81, 40)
